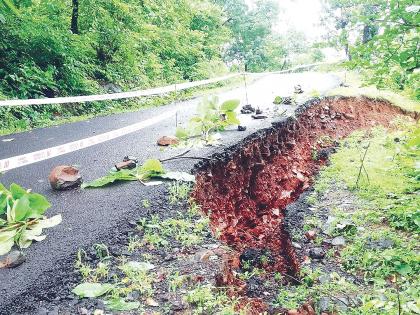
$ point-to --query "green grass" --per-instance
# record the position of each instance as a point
(357, 88)
(388, 211)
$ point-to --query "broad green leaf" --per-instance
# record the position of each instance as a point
(230, 106)
(91, 290)
(4, 193)
(122, 175)
(17, 191)
(231, 118)
(404, 269)
(196, 119)
(39, 204)
(27, 236)
(22, 208)
(179, 176)
(6, 241)
(150, 168)
(181, 133)
(11, 7)
(120, 304)
(277, 100)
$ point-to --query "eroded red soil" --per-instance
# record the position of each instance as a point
(247, 190)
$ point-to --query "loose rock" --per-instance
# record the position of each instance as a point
(287, 100)
(241, 128)
(316, 253)
(338, 241)
(310, 235)
(247, 109)
(298, 89)
(65, 177)
(167, 140)
(130, 164)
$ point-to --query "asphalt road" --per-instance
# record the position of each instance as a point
(91, 216)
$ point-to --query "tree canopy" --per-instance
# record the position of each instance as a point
(380, 36)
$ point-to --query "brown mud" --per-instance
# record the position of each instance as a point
(245, 190)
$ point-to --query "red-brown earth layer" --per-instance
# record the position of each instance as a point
(245, 192)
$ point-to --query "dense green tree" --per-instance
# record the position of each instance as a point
(251, 30)
(74, 47)
(382, 37)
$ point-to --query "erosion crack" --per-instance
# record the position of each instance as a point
(245, 190)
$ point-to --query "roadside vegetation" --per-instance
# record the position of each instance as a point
(368, 204)
(161, 266)
(54, 48)
(380, 39)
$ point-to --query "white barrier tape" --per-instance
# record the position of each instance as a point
(37, 156)
(140, 93)
(115, 96)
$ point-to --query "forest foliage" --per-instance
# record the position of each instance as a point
(380, 37)
(56, 48)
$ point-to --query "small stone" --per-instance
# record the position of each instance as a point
(133, 296)
(167, 140)
(151, 302)
(98, 312)
(83, 311)
(338, 241)
(316, 253)
(298, 89)
(14, 259)
(258, 111)
(65, 177)
(342, 304)
(241, 128)
(287, 100)
(247, 109)
(296, 245)
(381, 244)
(310, 235)
(324, 304)
(130, 164)
(293, 312)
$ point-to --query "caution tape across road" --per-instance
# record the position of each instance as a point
(116, 96)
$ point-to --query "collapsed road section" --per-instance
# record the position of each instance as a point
(245, 189)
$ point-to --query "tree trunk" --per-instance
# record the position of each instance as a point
(75, 17)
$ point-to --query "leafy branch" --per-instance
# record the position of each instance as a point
(22, 217)
(150, 169)
(211, 117)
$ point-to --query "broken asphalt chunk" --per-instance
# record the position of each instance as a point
(247, 109)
